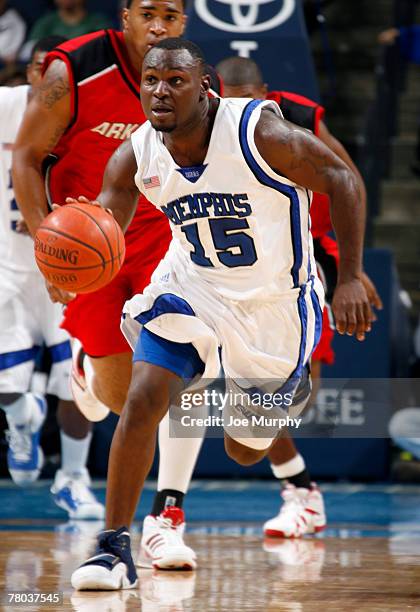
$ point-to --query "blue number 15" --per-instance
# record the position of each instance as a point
(226, 236)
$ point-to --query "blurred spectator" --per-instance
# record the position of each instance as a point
(71, 19)
(404, 429)
(408, 38)
(12, 33)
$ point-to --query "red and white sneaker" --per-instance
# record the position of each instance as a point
(162, 545)
(87, 403)
(301, 513)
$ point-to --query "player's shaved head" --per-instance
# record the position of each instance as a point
(237, 71)
(174, 86)
(179, 44)
(47, 44)
(129, 3)
(242, 78)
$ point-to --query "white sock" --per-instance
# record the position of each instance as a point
(290, 468)
(21, 411)
(74, 453)
(177, 458)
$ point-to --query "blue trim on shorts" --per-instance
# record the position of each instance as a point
(60, 352)
(318, 316)
(15, 358)
(180, 358)
(165, 304)
(291, 384)
(287, 190)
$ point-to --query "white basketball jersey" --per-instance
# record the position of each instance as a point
(16, 250)
(236, 224)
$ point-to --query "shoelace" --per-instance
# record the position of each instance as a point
(20, 443)
(115, 545)
(292, 501)
(170, 535)
(80, 491)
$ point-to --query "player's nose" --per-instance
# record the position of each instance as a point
(158, 27)
(161, 89)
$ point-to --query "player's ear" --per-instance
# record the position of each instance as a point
(125, 14)
(205, 85)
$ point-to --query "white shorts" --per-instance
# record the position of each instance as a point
(29, 319)
(264, 345)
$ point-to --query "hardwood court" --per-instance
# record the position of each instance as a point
(236, 573)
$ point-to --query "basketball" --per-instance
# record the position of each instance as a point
(79, 248)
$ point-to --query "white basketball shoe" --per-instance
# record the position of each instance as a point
(25, 457)
(162, 545)
(71, 492)
(89, 406)
(301, 513)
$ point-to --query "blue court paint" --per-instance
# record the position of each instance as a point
(239, 507)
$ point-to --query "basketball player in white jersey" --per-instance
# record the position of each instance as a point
(29, 319)
(237, 288)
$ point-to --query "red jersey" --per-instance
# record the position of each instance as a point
(106, 110)
(307, 114)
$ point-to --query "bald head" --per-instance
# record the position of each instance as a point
(242, 78)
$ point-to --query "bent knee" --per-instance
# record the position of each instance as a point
(244, 455)
(113, 398)
(146, 405)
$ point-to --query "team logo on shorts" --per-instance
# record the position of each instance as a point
(245, 15)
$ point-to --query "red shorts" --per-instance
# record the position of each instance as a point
(95, 318)
(324, 352)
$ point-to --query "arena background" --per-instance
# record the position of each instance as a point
(368, 556)
(328, 51)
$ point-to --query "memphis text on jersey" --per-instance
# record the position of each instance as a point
(199, 205)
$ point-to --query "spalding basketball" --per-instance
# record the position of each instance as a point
(79, 247)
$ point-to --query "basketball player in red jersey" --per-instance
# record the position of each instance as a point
(88, 104)
(303, 510)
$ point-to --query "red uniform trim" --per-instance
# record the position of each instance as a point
(319, 111)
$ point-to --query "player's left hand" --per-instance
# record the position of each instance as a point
(84, 200)
(352, 311)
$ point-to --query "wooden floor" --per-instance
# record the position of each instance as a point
(235, 573)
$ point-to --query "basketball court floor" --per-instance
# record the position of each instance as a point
(367, 559)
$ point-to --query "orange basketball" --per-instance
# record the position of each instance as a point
(79, 247)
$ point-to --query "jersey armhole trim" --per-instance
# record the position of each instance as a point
(121, 63)
(274, 183)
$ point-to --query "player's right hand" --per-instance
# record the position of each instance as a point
(59, 295)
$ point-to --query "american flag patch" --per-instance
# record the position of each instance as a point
(152, 181)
